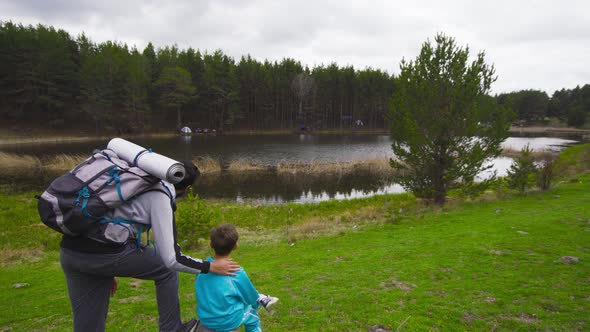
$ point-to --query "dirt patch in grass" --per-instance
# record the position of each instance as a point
(497, 252)
(438, 293)
(394, 283)
(135, 284)
(133, 299)
(12, 256)
(523, 318)
(469, 318)
(314, 227)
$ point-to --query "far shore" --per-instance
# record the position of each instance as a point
(549, 130)
(11, 138)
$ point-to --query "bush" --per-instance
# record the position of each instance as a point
(522, 172)
(194, 221)
(545, 172)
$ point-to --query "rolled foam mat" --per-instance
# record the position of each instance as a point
(156, 164)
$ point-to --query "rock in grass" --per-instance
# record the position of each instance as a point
(20, 285)
(379, 328)
(522, 232)
(568, 260)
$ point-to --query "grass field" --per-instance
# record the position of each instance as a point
(348, 266)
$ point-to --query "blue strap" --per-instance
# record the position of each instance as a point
(114, 172)
(169, 193)
(124, 223)
(142, 227)
(84, 193)
(139, 237)
(139, 154)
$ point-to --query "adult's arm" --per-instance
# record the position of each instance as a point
(165, 235)
(164, 231)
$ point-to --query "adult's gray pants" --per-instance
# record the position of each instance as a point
(90, 276)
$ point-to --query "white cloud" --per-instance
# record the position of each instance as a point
(534, 44)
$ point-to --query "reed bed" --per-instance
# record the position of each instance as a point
(207, 165)
(63, 162)
(245, 165)
(12, 163)
(512, 153)
(377, 166)
(16, 164)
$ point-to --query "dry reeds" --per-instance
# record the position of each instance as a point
(63, 162)
(377, 166)
(15, 164)
(11, 163)
(512, 153)
(244, 165)
(207, 164)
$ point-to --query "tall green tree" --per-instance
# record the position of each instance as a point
(176, 89)
(442, 125)
(529, 105)
(221, 90)
(137, 85)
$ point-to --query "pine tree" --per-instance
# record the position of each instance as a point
(443, 130)
(522, 172)
(175, 89)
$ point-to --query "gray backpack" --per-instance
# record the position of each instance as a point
(76, 203)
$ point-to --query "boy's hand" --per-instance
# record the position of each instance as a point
(224, 267)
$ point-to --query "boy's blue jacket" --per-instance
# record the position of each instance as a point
(222, 301)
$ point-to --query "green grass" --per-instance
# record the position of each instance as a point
(471, 266)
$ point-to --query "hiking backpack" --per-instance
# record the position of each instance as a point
(77, 202)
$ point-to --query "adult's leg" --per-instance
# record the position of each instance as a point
(146, 264)
(89, 294)
(131, 262)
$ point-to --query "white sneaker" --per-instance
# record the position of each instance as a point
(267, 301)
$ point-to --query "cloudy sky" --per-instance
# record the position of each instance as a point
(542, 45)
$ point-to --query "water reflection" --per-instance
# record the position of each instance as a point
(499, 167)
(272, 188)
(537, 143)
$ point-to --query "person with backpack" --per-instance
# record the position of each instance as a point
(91, 265)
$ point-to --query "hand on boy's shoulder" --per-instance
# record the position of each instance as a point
(225, 266)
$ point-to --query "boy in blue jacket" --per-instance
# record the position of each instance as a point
(224, 303)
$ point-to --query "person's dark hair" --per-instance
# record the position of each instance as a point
(190, 176)
(223, 239)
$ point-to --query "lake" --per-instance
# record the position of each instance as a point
(269, 187)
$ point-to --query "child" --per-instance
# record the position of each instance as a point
(226, 302)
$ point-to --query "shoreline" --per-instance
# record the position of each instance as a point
(549, 130)
(50, 138)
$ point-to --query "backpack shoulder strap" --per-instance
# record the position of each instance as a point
(161, 187)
